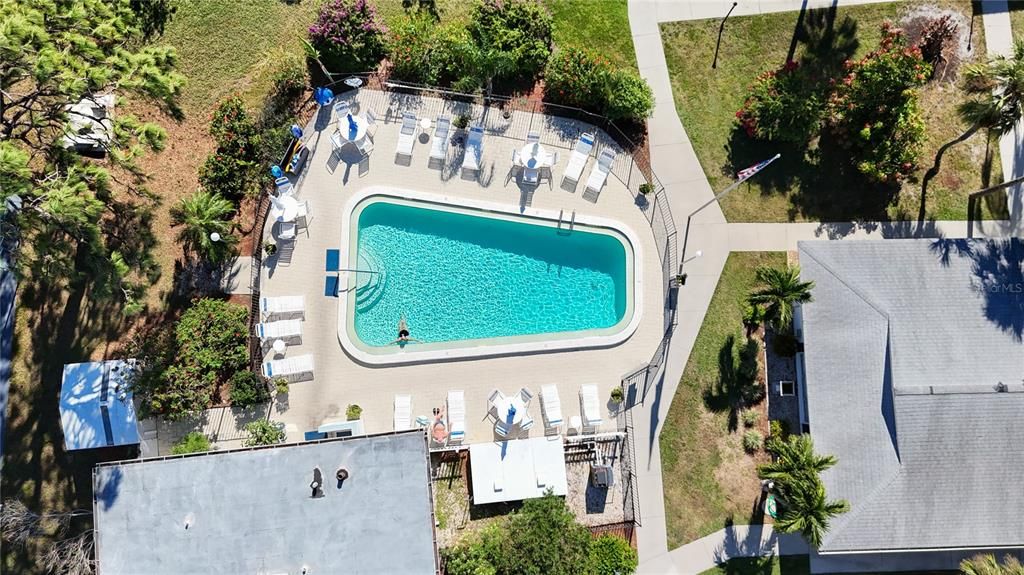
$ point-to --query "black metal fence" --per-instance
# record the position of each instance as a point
(627, 466)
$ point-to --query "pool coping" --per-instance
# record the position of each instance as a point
(411, 354)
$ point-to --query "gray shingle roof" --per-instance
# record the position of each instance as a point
(250, 511)
(905, 344)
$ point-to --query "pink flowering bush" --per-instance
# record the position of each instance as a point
(784, 105)
(348, 34)
(873, 111)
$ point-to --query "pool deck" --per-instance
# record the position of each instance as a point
(331, 179)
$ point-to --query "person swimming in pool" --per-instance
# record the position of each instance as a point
(403, 333)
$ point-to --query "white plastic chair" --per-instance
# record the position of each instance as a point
(456, 416)
(532, 137)
(371, 123)
(527, 423)
(551, 406)
(590, 406)
(525, 395)
(282, 305)
(439, 148)
(298, 365)
(341, 109)
(578, 160)
(531, 175)
(403, 412)
(474, 149)
(502, 428)
(599, 174)
(279, 329)
(286, 230)
(407, 136)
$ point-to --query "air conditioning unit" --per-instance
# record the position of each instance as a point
(602, 476)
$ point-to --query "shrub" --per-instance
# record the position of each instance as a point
(248, 388)
(778, 429)
(579, 78)
(617, 395)
(630, 97)
(263, 432)
(750, 418)
(461, 121)
(646, 188)
(752, 441)
(281, 385)
(934, 36)
(194, 442)
(353, 412)
(576, 77)
(231, 170)
(874, 111)
(611, 555)
(519, 28)
(422, 51)
(348, 34)
(753, 316)
(784, 105)
(212, 336)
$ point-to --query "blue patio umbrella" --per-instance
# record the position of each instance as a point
(276, 171)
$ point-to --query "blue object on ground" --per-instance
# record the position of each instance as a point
(296, 131)
(331, 286)
(333, 260)
(323, 96)
(313, 435)
(276, 171)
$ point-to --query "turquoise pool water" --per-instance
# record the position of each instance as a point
(456, 276)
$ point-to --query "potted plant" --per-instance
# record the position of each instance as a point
(353, 412)
(461, 121)
(270, 247)
(646, 188)
(680, 279)
(281, 385)
(617, 395)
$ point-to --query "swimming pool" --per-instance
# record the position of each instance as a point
(472, 281)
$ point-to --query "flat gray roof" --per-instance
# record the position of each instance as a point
(914, 362)
(251, 511)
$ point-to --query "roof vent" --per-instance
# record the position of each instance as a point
(341, 475)
(1001, 387)
(317, 485)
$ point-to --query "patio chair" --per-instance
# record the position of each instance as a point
(502, 428)
(283, 329)
(599, 174)
(532, 137)
(403, 412)
(298, 365)
(531, 175)
(283, 187)
(365, 146)
(456, 416)
(474, 149)
(407, 136)
(286, 230)
(302, 216)
(526, 395)
(439, 149)
(551, 406)
(516, 160)
(341, 109)
(492, 403)
(337, 143)
(553, 160)
(527, 423)
(371, 123)
(578, 160)
(282, 305)
(590, 406)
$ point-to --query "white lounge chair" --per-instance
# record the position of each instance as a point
(551, 406)
(407, 137)
(578, 160)
(526, 395)
(532, 137)
(474, 149)
(527, 423)
(590, 406)
(456, 416)
(599, 173)
(279, 329)
(288, 366)
(439, 149)
(282, 305)
(371, 123)
(403, 412)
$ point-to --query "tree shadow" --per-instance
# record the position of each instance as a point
(826, 46)
(737, 386)
(998, 267)
(743, 151)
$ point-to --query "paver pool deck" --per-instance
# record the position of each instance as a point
(331, 179)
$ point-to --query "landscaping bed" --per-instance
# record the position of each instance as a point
(786, 565)
(810, 186)
(709, 480)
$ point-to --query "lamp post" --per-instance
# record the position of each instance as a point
(721, 28)
(214, 237)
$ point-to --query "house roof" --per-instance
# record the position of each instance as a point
(96, 407)
(251, 510)
(909, 345)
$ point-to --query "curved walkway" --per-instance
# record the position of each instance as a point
(679, 170)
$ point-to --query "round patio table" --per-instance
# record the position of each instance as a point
(533, 155)
(345, 131)
(284, 209)
(505, 403)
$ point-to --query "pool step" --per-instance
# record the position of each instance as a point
(369, 286)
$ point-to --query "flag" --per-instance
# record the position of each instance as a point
(744, 174)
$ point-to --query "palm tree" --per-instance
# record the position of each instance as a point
(780, 289)
(202, 214)
(795, 461)
(807, 511)
(989, 565)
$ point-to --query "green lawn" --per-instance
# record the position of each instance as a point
(799, 187)
(708, 479)
(787, 565)
(601, 25)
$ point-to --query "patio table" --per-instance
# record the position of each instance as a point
(284, 209)
(345, 131)
(505, 403)
(533, 156)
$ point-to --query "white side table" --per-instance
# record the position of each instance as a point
(279, 346)
(575, 425)
(425, 124)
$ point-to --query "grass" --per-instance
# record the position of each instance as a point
(601, 25)
(804, 188)
(709, 480)
(786, 565)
